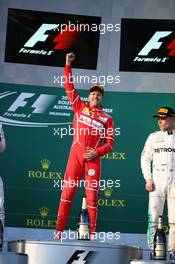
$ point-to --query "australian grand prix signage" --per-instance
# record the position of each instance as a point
(28, 106)
(44, 38)
(147, 45)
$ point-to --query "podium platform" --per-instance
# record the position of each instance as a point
(78, 251)
(152, 262)
(13, 258)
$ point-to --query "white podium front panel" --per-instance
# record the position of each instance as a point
(43, 252)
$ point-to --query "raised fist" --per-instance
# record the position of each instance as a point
(69, 58)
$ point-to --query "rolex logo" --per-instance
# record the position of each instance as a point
(108, 192)
(45, 163)
(44, 211)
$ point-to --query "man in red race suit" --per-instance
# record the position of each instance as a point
(91, 127)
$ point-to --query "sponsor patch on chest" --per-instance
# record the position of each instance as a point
(90, 122)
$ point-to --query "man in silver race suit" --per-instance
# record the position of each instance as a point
(158, 168)
(2, 148)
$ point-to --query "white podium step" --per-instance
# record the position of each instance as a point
(77, 251)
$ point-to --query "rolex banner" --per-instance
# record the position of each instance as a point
(37, 125)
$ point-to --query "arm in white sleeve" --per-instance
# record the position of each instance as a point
(146, 159)
(2, 140)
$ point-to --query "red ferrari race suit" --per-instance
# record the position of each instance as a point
(91, 126)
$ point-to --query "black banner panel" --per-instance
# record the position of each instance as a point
(43, 38)
(147, 45)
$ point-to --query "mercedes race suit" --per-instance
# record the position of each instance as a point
(93, 129)
(158, 163)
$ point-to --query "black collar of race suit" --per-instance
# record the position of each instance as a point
(170, 132)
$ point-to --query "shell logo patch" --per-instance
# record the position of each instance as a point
(86, 110)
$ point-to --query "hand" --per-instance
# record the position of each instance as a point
(69, 58)
(90, 154)
(150, 186)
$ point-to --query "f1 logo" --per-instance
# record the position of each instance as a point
(40, 105)
(154, 43)
(64, 39)
(81, 257)
(40, 34)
